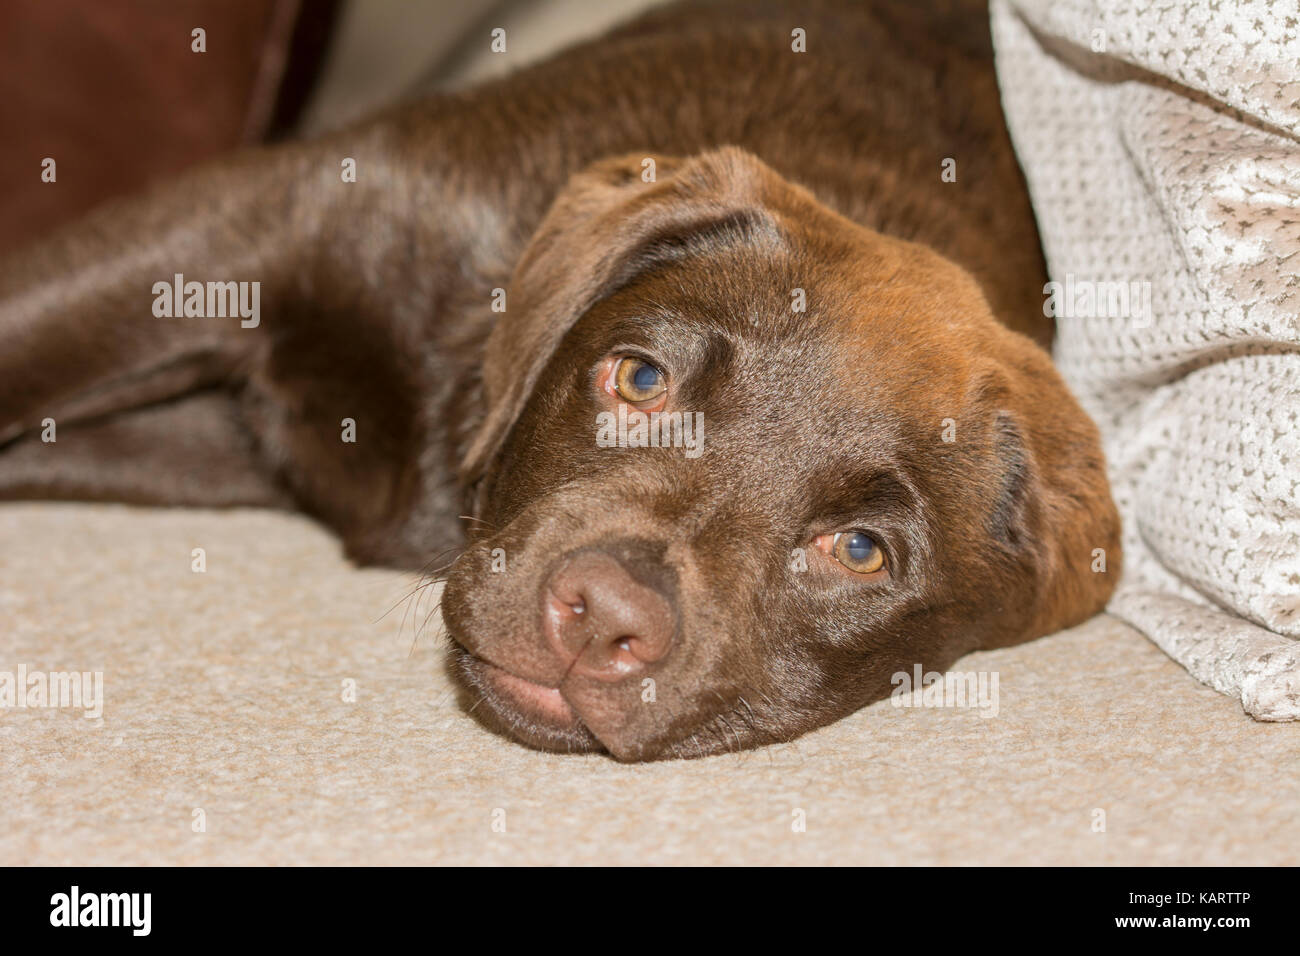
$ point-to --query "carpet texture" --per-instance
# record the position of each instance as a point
(224, 693)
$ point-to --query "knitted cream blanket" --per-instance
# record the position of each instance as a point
(1160, 143)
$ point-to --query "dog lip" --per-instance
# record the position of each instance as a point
(544, 704)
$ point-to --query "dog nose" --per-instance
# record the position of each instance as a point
(605, 621)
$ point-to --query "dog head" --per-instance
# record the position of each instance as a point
(743, 460)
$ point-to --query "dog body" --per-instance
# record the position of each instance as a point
(687, 218)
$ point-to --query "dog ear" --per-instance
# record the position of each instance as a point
(1053, 515)
(606, 226)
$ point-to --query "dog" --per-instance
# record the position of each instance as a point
(705, 361)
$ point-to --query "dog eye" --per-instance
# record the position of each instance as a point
(858, 552)
(636, 381)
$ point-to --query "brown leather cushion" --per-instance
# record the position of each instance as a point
(114, 94)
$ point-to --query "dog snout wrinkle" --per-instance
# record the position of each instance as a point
(604, 621)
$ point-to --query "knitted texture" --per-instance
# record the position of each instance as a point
(1159, 141)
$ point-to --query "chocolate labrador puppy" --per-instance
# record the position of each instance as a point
(725, 331)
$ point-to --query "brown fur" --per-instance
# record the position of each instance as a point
(775, 171)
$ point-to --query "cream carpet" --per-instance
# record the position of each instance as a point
(224, 706)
